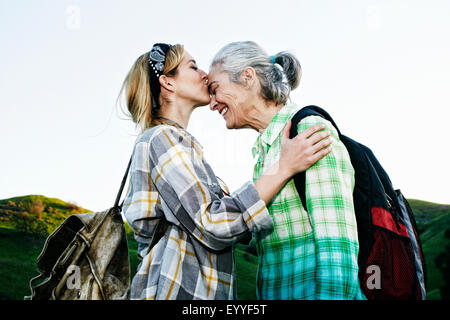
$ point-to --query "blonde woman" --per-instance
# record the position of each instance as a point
(171, 184)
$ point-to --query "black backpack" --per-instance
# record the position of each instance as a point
(391, 261)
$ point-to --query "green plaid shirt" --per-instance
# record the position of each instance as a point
(314, 254)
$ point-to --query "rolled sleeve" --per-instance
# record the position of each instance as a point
(255, 213)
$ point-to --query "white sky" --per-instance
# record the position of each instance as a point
(380, 68)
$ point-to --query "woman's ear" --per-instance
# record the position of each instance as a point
(248, 76)
(167, 83)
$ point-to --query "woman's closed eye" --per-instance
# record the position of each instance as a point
(212, 88)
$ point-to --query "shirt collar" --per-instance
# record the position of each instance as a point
(274, 128)
(194, 141)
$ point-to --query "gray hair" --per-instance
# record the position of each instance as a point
(277, 78)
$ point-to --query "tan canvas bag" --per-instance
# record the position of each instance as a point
(85, 258)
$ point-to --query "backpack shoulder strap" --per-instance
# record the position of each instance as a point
(300, 178)
(122, 185)
(310, 111)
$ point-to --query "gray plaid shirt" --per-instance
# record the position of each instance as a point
(194, 259)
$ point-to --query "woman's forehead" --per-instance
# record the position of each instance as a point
(187, 57)
(216, 74)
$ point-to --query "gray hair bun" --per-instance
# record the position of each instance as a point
(291, 67)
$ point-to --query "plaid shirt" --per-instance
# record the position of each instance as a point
(314, 254)
(171, 180)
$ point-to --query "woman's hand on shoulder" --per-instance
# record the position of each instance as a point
(304, 150)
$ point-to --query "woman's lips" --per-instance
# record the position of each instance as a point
(223, 111)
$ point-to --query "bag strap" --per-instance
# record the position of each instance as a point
(122, 185)
(300, 178)
(311, 111)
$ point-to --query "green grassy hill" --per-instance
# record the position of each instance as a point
(433, 221)
(35, 213)
(26, 221)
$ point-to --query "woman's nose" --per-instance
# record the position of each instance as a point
(213, 103)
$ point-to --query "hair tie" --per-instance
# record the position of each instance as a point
(272, 58)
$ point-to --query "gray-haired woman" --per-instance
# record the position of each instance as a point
(309, 254)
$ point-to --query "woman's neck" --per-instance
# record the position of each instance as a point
(261, 114)
(180, 113)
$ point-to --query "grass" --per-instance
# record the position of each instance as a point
(246, 267)
(18, 262)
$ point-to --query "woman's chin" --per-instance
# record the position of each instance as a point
(228, 124)
(204, 99)
(231, 124)
(203, 103)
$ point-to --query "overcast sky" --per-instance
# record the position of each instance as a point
(381, 69)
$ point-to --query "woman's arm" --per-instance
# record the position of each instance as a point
(297, 155)
(197, 203)
(179, 174)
